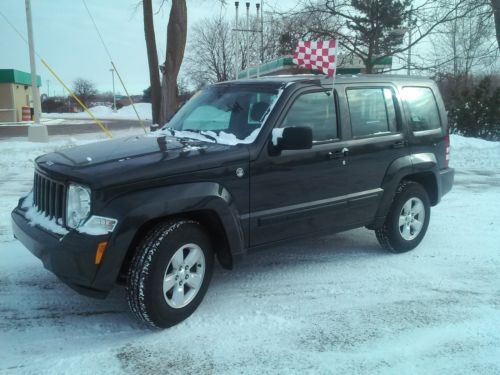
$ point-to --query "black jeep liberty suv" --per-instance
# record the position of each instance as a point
(242, 165)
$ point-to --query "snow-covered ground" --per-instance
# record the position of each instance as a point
(103, 112)
(337, 304)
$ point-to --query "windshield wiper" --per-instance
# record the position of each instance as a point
(201, 132)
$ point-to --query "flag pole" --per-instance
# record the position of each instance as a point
(335, 71)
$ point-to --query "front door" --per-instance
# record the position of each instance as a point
(297, 192)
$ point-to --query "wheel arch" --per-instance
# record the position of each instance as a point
(420, 168)
(429, 181)
(208, 203)
(208, 219)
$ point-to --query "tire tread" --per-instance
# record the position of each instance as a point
(141, 266)
(383, 233)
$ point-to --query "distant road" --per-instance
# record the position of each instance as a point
(9, 131)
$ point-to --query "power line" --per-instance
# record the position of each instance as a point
(15, 29)
(113, 65)
(97, 30)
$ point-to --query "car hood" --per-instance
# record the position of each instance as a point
(136, 158)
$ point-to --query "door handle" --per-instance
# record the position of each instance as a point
(338, 154)
(399, 144)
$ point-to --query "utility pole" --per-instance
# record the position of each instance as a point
(237, 42)
(48, 88)
(113, 79)
(262, 31)
(247, 58)
(259, 52)
(37, 132)
(410, 25)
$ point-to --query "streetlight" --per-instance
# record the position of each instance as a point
(37, 132)
(113, 79)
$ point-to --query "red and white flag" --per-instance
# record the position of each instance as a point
(320, 55)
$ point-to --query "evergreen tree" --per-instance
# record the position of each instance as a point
(375, 27)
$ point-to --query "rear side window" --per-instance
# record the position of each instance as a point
(422, 108)
(317, 110)
(372, 111)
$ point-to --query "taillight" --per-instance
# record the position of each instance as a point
(447, 150)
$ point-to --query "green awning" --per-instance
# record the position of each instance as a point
(18, 77)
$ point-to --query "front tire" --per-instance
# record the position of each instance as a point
(408, 218)
(170, 273)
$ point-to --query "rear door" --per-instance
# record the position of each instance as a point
(376, 139)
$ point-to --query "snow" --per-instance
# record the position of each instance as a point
(336, 304)
(103, 112)
(277, 134)
(474, 153)
(221, 137)
(93, 231)
(36, 218)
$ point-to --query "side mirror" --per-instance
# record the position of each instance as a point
(154, 127)
(292, 138)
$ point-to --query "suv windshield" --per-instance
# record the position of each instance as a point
(224, 114)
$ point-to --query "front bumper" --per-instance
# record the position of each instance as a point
(70, 257)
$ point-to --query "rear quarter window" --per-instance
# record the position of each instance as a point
(422, 109)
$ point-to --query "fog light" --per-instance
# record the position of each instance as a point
(98, 225)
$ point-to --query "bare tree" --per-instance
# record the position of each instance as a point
(215, 49)
(176, 44)
(85, 90)
(166, 99)
(211, 52)
(465, 44)
(154, 74)
(495, 6)
(286, 29)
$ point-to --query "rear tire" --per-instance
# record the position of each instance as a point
(406, 224)
(170, 273)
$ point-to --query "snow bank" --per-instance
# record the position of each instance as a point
(103, 112)
(473, 153)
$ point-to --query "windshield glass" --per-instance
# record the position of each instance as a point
(224, 114)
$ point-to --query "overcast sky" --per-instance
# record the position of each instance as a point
(66, 39)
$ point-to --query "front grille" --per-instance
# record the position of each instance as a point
(49, 197)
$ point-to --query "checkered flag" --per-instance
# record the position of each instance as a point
(319, 55)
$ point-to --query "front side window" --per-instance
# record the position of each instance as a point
(225, 114)
(422, 108)
(316, 110)
(372, 111)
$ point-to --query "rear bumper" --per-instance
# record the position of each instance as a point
(70, 257)
(447, 176)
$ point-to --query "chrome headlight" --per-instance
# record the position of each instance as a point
(77, 205)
